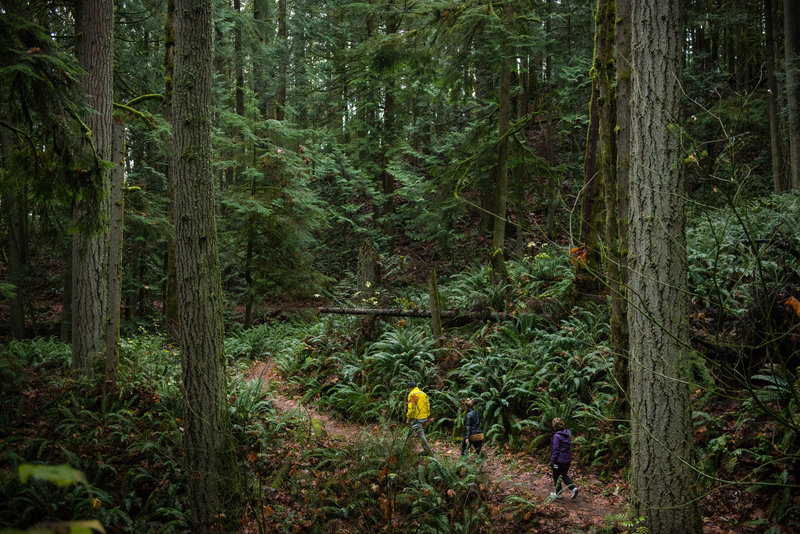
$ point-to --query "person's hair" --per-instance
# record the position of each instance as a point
(468, 403)
(558, 424)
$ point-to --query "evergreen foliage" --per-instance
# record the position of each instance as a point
(387, 133)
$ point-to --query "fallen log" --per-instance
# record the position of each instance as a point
(389, 312)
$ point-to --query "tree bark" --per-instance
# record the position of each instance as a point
(283, 39)
(662, 478)
(776, 146)
(791, 24)
(95, 21)
(436, 312)
(115, 256)
(499, 271)
(213, 480)
(369, 271)
(592, 201)
(15, 212)
(619, 304)
(172, 321)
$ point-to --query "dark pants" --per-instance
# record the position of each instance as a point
(477, 445)
(560, 474)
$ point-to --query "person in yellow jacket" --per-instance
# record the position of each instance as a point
(419, 409)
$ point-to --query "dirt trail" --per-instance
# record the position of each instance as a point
(509, 473)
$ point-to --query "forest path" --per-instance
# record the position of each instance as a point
(509, 473)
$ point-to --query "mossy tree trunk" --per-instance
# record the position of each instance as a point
(619, 197)
(171, 291)
(791, 25)
(499, 270)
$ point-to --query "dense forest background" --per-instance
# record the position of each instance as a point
(391, 190)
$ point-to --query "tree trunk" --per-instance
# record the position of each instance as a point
(662, 478)
(499, 271)
(436, 311)
(604, 68)
(248, 261)
(592, 202)
(95, 24)
(213, 482)
(776, 146)
(172, 321)
(261, 25)
(15, 212)
(552, 181)
(369, 271)
(791, 24)
(280, 105)
(522, 173)
(115, 256)
(387, 179)
(66, 302)
(619, 306)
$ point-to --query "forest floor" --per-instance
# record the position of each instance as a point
(509, 473)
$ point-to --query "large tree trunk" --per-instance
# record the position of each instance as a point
(95, 21)
(171, 319)
(213, 481)
(619, 306)
(115, 256)
(791, 24)
(662, 478)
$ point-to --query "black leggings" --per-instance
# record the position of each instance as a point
(560, 474)
(477, 445)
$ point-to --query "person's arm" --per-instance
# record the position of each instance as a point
(554, 444)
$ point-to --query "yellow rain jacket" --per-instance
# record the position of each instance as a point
(418, 406)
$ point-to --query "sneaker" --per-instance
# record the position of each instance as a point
(556, 496)
(574, 492)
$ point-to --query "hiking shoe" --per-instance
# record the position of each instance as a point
(574, 492)
(556, 496)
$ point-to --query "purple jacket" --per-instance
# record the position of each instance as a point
(561, 448)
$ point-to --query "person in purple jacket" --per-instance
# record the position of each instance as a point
(561, 458)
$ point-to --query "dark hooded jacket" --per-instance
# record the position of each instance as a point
(472, 423)
(561, 447)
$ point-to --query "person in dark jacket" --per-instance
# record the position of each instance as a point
(473, 435)
(561, 458)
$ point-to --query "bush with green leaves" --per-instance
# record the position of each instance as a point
(373, 483)
(521, 374)
(743, 251)
(127, 445)
(375, 384)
